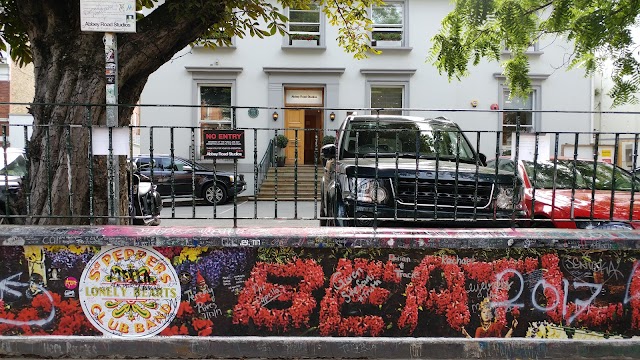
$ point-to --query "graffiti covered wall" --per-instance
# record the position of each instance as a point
(136, 291)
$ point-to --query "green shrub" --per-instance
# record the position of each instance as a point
(328, 139)
(281, 141)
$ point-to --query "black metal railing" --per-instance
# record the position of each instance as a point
(431, 176)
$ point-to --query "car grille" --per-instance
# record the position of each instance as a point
(464, 197)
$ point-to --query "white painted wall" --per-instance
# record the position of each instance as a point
(173, 84)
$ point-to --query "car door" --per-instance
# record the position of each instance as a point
(182, 171)
(161, 174)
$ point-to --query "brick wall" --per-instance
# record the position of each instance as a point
(4, 97)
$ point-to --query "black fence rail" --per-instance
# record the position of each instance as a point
(375, 170)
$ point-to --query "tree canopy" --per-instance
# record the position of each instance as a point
(65, 185)
(599, 29)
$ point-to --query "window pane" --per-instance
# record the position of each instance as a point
(211, 100)
(387, 97)
(306, 28)
(517, 103)
(511, 118)
(296, 16)
(388, 14)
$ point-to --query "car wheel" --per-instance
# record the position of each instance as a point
(215, 196)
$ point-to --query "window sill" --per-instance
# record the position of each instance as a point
(218, 47)
(532, 53)
(393, 48)
(305, 47)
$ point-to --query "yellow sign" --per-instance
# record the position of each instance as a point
(606, 153)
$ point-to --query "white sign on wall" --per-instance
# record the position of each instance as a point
(527, 147)
(304, 97)
(108, 15)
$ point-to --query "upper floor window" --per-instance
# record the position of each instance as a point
(305, 26)
(389, 24)
(218, 38)
(532, 49)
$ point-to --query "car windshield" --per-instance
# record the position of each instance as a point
(408, 139)
(585, 177)
(16, 164)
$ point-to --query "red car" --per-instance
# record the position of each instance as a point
(567, 192)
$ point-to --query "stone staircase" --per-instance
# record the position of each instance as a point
(307, 190)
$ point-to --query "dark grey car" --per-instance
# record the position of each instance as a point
(181, 177)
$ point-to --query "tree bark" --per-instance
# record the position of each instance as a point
(66, 186)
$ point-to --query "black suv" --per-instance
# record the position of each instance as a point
(412, 170)
(174, 177)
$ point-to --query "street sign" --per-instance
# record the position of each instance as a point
(108, 15)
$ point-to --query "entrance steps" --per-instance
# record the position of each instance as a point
(285, 179)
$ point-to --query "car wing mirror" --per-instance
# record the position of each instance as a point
(329, 151)
(483, 159)
(187, 168)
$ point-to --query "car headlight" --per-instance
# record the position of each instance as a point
(505, 197)
(232, 179)
(368, 190)
(603, 225)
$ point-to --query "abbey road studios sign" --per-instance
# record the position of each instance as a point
(108, 15)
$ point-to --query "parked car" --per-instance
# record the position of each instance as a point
(175, 176)
(576, 194)
(411, 170)
(11, 174)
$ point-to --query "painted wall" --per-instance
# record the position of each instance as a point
(174, 84)
(398, 283)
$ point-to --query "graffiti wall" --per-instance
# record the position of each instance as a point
(137, 291)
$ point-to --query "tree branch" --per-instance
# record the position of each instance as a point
(170, 33)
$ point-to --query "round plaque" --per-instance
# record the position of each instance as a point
(253, 113)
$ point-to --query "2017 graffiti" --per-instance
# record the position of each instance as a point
(387, 292)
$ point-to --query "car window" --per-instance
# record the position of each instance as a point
(506, 165)
(16, 164)
(407, 138)
(585, 176)
(179, 164)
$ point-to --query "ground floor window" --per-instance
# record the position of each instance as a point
(517, 110)
(215, 108)
(387, 97)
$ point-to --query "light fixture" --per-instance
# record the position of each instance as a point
(275, 116)
(332, 116)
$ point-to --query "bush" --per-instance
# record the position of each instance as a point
(281, 141)
(328, 139)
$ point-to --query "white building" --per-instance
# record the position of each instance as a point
(275, 75)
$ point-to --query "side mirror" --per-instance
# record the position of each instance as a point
(329, 151)
(187, 168)
(483, 159)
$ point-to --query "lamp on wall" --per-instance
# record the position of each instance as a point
(275, 116)
(332, 116)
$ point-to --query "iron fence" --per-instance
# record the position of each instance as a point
(552, 177)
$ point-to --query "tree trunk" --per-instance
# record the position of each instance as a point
(66, 186)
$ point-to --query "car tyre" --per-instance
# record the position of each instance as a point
(215, 196)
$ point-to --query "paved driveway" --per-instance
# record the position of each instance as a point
(250, 213)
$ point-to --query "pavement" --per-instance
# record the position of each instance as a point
(279, 347)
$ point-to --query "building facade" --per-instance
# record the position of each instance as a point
(305, 80)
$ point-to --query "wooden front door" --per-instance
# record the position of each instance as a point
(294, 119)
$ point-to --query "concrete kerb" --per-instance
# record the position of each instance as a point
(87, 347)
